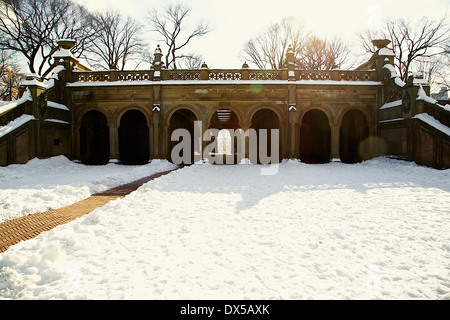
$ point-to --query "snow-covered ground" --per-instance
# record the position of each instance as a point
(46, 184)
(375, 230)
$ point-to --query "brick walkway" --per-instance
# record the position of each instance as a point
(28, 227)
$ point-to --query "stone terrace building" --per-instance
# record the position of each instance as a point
(129, 116)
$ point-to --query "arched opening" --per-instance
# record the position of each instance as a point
(354, 132)
(182, 119)
(134, 138)
(266, 119)
(94, 139)
(315, 138)
(224, 144)
(226, 121)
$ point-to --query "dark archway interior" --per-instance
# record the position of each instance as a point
(182, 119)
(266, 119)
(134, 138)
(354, 132)
(315, 138)
(94, 139)
(224, 119)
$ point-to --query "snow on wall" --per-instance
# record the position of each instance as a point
(421, 95)
(16, 123)
(54, 76)
(391, 104)
(25, 98)
(394, 75)
(433, 122)
(55, 105)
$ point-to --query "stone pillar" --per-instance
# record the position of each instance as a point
(373, 142)
(157, 64)
(113, 140)
(38, 107)
(156, 149)
(155, 134)
(293, 127)
(290, 60)
(335, 140)
(245, 74)
(204, 73)
(203, 143)
(245, 140)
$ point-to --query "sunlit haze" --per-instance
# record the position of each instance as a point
(234, 22)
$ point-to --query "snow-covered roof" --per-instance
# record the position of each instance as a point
(63, 53)
(386, 52)
(32, 79)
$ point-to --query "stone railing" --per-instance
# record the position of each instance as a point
(336, 75)
(14, 113)
(223, 75)
(437, 112)
(96, 76)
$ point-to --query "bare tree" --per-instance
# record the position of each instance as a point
(410, 41)
(268, 50)
(31, 28)
(8, 66)
(192, 61)
(321, 54)
(171, 26)
(437, 70)
(117, 43)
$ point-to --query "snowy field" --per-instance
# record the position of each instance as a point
(42, 185)
(376, 230)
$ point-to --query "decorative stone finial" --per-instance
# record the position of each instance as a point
(66, 43)
(381, 43)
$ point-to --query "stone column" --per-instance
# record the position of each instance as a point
(155, 134)
(293, 127)
(113, 139)
(335, 140)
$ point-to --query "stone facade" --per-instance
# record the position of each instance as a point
(129, 116)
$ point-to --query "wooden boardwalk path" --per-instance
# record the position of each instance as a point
(28, 227)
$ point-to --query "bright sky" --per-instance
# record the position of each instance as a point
(234, 22)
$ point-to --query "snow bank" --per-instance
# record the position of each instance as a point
(46, 184)
(376, 230)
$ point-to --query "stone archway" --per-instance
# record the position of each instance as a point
(182, 119)
(134, 138)
(266, 119)
(354, 133)
(94, 138)
(226, 121)
(315, 137)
